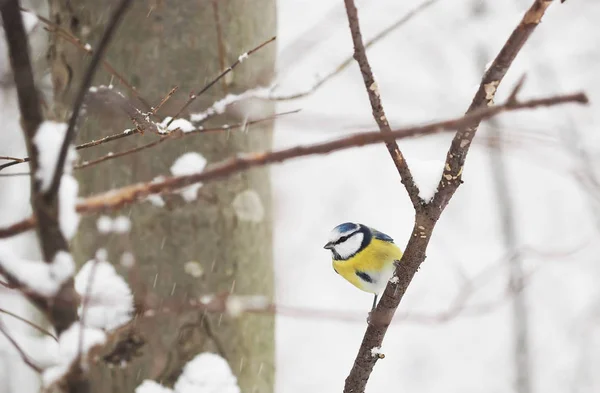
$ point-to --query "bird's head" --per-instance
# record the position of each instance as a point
(347, 239)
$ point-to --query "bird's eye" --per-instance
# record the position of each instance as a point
(342, 239)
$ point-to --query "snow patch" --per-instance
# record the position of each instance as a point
(110, 301)
(68, 218)
(248, 206)
(149, 386)
(71, 343)
(189, 164)
(207, 373)
(40, 277)
(48, 140)
(183, 124)
(219, 106)
(427, 175)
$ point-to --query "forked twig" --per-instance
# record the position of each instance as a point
(221, 75)
(427, 217)
(379, 115)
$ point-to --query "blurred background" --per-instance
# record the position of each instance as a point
(527, 212)
(507, 299)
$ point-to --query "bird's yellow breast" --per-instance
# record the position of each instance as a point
(376, 260)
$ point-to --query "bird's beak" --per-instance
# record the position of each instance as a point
(328, 246)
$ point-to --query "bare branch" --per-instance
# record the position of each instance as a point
(129, 132)
(344, 64)
(111, 27)
(360, 55)
(427, 217)
(116, 199)
(221, 75)
(176, 134)
(18, 46)
(455, 160)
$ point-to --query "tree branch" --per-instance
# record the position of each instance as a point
(360, 55)
(344, 64)
(239, 60)
(116, 199)
(426, 219)
(111, 27)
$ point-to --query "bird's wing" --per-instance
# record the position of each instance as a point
(381, 236)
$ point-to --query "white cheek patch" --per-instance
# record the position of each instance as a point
(350, 247)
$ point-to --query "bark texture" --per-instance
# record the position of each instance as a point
(161, 45)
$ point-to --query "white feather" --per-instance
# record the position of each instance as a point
(335, 235)
(349, 247)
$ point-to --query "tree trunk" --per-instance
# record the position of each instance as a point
(158, 46)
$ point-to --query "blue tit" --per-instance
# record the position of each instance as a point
(363, 256)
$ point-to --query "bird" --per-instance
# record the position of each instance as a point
(364, 256)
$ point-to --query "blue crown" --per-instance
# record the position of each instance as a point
(346, 227)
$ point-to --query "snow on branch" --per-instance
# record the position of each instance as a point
(107, 299)
(221, 75)
(118, 198)
(44, 279)
(48, 139)
(73, 344)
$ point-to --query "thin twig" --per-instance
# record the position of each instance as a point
(111, 27)
(112, 156)
(221, 75)
(165, 99)
(11, 158)
(344, 64)
(130, 132)
(176, 134)
(116, 199)
(372, 89)
(33, 325)
(23, 355)
(106, 139)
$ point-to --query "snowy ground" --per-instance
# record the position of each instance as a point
(428, 70)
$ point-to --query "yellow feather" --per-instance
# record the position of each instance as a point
(377, 257)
